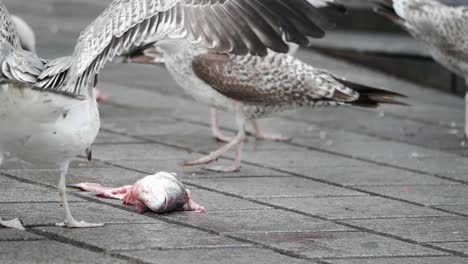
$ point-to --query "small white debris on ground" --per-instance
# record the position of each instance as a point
(15, 224)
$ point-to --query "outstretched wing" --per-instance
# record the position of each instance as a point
(17, 66)
(235, 26)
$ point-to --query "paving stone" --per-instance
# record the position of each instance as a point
(109, 138)
(15, 191)
(432, 229)
(455, 194)
(338, 244)
(219, 202)
(463, 209)
(78, 163)
(255, 221)
(158, 235)
(47, 251)
(106, 176)
(374, 175)
(51, 213)
(413, 260)
(154, 158)
(461, 247)
(17, 235)
(256, 187)
(353, 207)
(214, 256)
(460, 177)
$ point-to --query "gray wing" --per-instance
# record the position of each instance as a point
(236, 26)
(276, 79)
(17, 66)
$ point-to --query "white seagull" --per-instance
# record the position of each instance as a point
(48, 110)
(441, 25)
(252, 87)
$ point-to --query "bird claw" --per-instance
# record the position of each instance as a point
(81, 224)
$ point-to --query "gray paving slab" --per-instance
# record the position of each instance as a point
(219, 202)
(455, 246)
(349, 207)
(17, 235)
(374, 175)
(50, 251)
(261, 187)
(437, 229)
(159, 235)
(154, 157)
(110, 138)
(463, 209)
(215, 256)
(413, 260)
(256, 221)
(454, 194)
(51, 213)
(15, 164)
(339, 244)
(14, 191)
(109, 176)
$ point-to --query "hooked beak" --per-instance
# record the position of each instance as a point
(89, 154)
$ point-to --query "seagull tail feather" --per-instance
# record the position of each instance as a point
(370, 97)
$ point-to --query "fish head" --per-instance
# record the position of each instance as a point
(160, 193)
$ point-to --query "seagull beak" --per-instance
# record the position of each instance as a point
(89, 154)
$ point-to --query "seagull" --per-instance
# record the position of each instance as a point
(441, 25)
(149, 54)
(252, 87)
(48, 109)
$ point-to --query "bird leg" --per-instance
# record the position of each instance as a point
(258, 133)
(237, 141)
(215, 131)
(69, 220)
(15, 223)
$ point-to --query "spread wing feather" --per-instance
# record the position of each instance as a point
(235, 26)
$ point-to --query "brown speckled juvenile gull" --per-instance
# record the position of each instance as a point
(441, 25)
(149, 54)
(253, 87)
